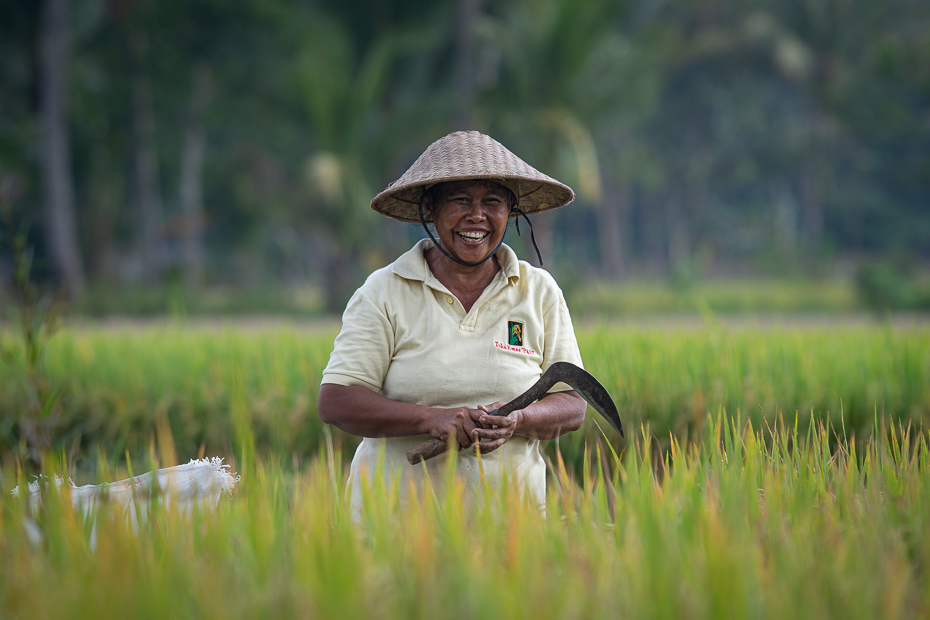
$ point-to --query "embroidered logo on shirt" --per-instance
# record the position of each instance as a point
(516, 336)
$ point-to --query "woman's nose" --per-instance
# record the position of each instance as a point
(474, 214)
(476, 211)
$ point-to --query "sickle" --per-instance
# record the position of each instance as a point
(578, 378)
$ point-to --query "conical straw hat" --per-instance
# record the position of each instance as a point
(470, 155)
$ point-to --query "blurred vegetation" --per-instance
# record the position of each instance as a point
(33, 412)
(757, 297)
(235, 145)
(747, 522)
(209, 382)
(177, 301)
(884, 286)
(878, 288)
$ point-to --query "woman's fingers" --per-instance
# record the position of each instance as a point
(501, 421)
(458, 423)
(482, 411)
(487, 447)
(492, 406)
(492, 438)
(464, 426)
(491, 433)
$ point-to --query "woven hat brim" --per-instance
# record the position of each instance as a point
(469, 155)
(402, 203)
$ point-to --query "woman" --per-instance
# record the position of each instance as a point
(455, 327)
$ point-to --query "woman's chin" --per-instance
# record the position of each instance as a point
(471, 253)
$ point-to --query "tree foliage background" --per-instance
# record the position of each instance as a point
(236, 144)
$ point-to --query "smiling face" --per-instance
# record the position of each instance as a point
(470, 217)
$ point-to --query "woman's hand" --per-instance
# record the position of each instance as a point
(459, 423)
(550, 416)
(497, 430)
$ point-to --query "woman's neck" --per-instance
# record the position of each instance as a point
(466, 283)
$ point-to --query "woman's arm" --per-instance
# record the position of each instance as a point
(359, 411)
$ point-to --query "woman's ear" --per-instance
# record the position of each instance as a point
(428, 205)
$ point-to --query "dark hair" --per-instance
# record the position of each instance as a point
(434, 193)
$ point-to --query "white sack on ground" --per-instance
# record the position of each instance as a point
(181, 488)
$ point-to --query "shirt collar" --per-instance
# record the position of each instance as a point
(412, 264)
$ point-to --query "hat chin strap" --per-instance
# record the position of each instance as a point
(513, 209)
(516, 221)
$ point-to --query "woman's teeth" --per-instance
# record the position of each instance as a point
(472, 236)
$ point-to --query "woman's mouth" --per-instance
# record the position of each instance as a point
(472, 237)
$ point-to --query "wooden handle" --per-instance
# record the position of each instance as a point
(426, 450)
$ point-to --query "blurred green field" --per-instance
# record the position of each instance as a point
(210, 383)
(763, 297)
(874, 291)
(743, 523)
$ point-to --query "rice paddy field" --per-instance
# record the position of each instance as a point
(768, 471)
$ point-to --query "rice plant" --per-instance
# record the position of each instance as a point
(739, 521)
(207, 383)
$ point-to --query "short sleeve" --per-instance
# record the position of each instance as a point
(561, 344)
(363, 349)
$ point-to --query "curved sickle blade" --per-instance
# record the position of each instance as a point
(581, 381)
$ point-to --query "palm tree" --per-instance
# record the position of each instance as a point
(544, 100)
(60, 218)
(344, 85)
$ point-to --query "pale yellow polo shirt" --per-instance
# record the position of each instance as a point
(405, 336)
